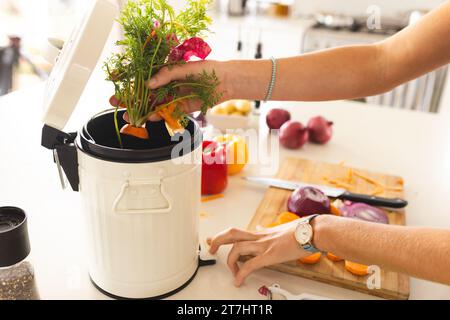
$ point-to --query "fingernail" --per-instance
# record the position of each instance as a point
(208, 241)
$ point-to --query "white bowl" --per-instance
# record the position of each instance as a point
(224, 122)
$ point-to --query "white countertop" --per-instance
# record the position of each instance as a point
(413, 145)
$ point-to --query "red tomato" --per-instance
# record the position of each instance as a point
(214, 168)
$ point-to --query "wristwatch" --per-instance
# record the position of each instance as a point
(304, 234)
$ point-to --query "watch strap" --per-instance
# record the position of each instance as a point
(309, 246)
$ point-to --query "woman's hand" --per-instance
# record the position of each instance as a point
(270, 246)
(167, 75)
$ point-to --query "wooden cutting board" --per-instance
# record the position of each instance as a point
(393, 285)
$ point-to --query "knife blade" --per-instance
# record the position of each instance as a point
(338, 193)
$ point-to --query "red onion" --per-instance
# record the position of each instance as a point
(307, 201)
(277, 117)
(320, 130)
(362, 211)
(293, 134)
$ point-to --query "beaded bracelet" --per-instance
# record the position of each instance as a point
(272, 80)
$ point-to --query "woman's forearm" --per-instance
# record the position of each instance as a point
(341, 73)
(420, 252)
(352, 71)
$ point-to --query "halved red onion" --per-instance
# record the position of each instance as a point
(307, 201)
(362, 211)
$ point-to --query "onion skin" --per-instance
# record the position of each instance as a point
(275, 118)
(307, 201)
(320, 130)
(293, 134)
(362, 211)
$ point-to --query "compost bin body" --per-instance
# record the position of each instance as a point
(141, 220)
(141, 206)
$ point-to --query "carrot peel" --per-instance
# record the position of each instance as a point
(138, 132)
(213, 197)
(334, 210)
(172, 124)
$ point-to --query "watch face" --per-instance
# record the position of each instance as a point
(303, 233)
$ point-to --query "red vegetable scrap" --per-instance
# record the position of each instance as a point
(190, 47)
(264, 291)
(362, 211)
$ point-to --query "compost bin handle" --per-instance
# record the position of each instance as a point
(142, 197)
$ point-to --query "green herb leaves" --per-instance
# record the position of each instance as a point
(152, 31)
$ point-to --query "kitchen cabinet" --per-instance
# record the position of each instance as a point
(279, 37)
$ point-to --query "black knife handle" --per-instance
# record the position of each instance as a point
(395, 203)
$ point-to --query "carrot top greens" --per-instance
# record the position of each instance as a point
(156, 37)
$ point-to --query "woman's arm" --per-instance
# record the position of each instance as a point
(419, 252)
(340, 73)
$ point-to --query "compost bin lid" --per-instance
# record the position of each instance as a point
(76, 62)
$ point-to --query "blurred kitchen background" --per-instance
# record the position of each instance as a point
(245, 29)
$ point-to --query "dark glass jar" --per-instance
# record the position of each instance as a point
(17, 280)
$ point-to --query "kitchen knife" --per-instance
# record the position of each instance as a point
(342, 194)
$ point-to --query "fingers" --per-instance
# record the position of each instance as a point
(179, 72)
(126, 117)
(166, 75)
(242, 249)
(190, 106)
(248, 267)
(230, 236)
(154, 117)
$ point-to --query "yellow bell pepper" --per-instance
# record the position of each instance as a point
(237, 152)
